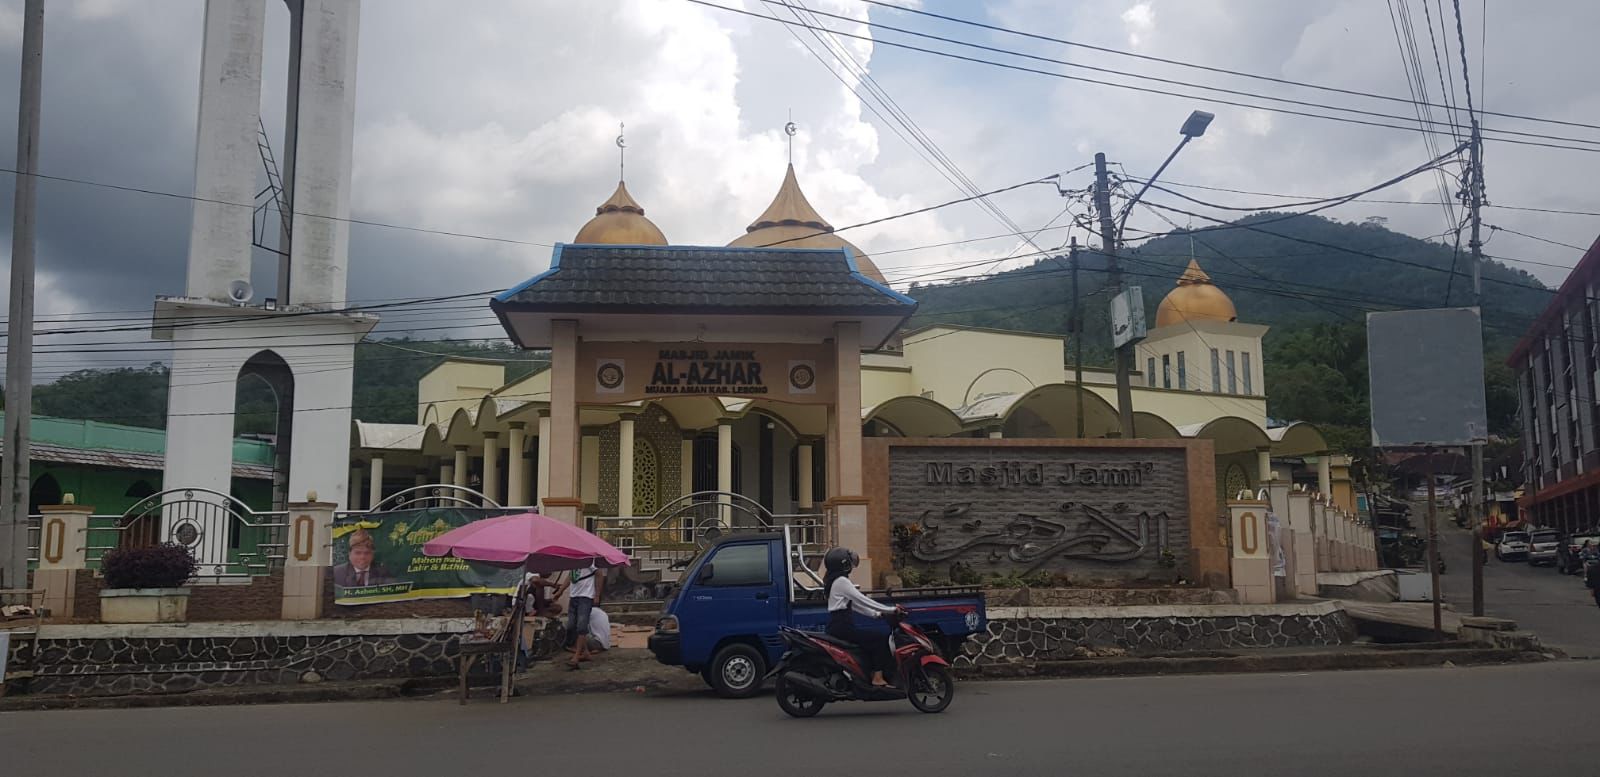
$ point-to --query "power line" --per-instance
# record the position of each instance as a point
(1067, 63)
(848, 60)
(1225, 71)
(1357, 252)
(1313, 198)
(1579, 249)
(193, 198)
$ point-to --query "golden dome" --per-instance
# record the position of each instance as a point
(620, 221)
(1195, 299)
(791, 222)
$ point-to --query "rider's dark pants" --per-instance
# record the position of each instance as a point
(876, 646)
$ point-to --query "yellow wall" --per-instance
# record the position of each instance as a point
(533, 388)
(1181, 408)
(884, 377)
(945, 361)
(457, 385)
(1196, 343)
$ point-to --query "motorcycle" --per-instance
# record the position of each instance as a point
(818, 669)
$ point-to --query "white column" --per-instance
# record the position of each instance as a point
(1325, 475)
(725, 464)
(542, 479)
(447, 473)
(625, 466)
(376, 494)
(563, 459)
(589, 466)
(996, 433)
(516, 473)
(355, 486)
(421, 478)
(491, 467)
(847, 364)
(803, 484)
(1264, 465)
(459, 473)
(686, 464)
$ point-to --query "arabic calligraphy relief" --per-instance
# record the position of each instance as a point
(1017, 511)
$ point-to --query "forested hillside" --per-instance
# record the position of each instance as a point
(1311, 279)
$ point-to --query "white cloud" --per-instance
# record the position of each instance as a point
(1139, 19)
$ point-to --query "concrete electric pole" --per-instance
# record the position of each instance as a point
(1108, 246)
(1479, 506)
(15, 482)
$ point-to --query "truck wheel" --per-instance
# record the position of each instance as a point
(736, 671)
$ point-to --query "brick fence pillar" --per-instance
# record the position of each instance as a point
(63, 555)
(307, 558)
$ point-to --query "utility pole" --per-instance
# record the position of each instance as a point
(1077, 337)
(1480, 500)
(14, 473)
(1108, 243)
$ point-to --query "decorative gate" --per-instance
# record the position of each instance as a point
(686, 525)
(226, 537)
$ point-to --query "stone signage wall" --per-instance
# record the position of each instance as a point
(1094, 512)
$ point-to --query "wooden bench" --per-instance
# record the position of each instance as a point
(18, 629)
(504, 640)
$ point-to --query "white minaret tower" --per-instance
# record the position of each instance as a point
(300, 341)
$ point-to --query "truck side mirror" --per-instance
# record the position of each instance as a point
(706, 572)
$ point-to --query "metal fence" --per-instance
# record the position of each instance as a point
(226, 537)
(669, 539)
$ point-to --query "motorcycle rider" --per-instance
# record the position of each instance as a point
(843, 599)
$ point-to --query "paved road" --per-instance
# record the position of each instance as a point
(1557, 607)
(1422, 721)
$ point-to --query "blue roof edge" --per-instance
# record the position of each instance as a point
(555, 265)
(850, 258)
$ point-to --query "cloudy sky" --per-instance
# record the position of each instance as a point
(498, 118)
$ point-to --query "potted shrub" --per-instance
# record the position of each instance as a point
(145, 585)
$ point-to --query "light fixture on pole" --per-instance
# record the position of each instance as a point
(1111, 241)
(1192, 128)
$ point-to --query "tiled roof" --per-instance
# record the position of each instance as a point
(114, 459)
(703, 278)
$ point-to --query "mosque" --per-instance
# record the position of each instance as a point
(1202, 377)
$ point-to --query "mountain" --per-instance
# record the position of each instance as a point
(386, 375)
(1310, 278)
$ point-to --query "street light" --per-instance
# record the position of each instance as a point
(1192, 128)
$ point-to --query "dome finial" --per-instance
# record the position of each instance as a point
(622, 151)
(790, 129)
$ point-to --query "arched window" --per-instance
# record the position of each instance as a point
(45, 491)
(139, 490)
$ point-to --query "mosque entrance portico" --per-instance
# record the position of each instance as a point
(775, 328)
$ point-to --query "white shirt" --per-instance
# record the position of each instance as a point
(600, 628)
(845, 595)
(584, 584)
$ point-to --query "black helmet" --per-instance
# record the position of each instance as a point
(840, 561)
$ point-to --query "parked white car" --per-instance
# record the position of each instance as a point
(1542, 546)
(1513, 546)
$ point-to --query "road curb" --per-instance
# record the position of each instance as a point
(1247, 664)
(550, 683)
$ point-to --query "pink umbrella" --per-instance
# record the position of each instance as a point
(539, 543)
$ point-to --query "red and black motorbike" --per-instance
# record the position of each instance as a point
(818, 669)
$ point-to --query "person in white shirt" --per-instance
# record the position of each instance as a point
(845, 598)
(583, 594)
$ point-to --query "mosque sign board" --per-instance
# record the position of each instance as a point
(782, 372)
(1014, 509)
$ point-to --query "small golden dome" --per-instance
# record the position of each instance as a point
(791, 222)
(620, 221)
(1195, 299)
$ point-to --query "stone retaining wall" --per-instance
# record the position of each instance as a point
(96, 660)
(1059, 633)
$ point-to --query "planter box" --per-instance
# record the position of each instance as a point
(144, 605)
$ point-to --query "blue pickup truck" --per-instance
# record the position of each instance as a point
(722, 619)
